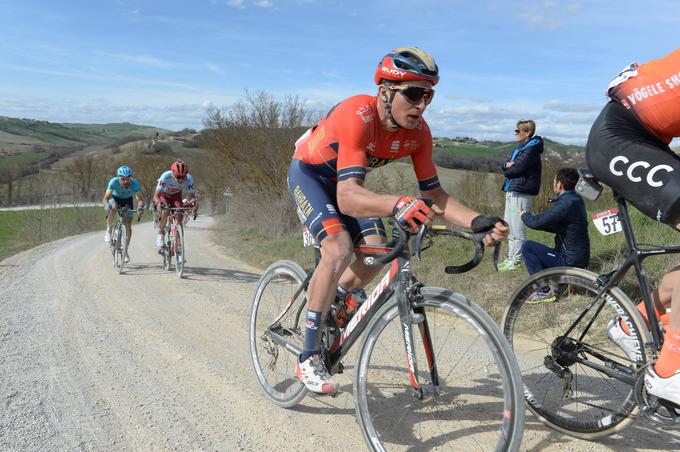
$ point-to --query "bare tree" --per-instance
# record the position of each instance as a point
(9, 173)
(85, 171)
(255, 138)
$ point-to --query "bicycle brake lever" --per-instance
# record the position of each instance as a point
(419, 241)
(496, 255)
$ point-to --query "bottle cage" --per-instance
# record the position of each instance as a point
(588, 186)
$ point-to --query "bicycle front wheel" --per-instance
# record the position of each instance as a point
(569, 379)
(119, 253)
(179, 251)
(476, 404)
(272, 342)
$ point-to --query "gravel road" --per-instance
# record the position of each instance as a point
(92, 360)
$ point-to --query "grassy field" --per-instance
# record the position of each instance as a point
(24, 229)
(24, 159)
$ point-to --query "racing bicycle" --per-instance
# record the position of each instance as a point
(174, 245)
(433, 370)
(576, 380)
(119, 240)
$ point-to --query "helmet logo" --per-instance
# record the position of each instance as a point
(395, 72)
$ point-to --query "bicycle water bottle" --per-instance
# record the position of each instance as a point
(348, 305)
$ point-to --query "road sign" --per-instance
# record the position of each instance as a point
(228, 193)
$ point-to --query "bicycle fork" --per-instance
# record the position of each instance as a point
(409, 317)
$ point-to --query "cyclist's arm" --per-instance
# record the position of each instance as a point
(140, 199)
(157, 197)
(107, 196)
(356, 201)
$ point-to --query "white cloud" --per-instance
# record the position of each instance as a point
(550, 15)
(563, 121)
(263, 4)
(143, 59)
(236, 3)
(212, 67)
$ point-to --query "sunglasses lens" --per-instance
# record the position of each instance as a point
(415, 94)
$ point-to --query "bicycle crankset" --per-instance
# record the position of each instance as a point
(657, 410)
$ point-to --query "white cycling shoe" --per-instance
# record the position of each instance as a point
(663, 388)
(629, 344)
(107, 236)
(127, 258)
(313, 373)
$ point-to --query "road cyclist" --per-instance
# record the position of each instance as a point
(119, 194)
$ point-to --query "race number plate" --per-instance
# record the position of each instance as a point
(607, 222)
(307, 237)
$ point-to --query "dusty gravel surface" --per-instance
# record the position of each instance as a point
(92, 360)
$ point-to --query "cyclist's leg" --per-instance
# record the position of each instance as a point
(127, 220)
(624, 155)
(317, 208)
(368, 231)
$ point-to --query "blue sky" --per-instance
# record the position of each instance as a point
(162, 63)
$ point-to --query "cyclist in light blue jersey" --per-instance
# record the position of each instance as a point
(119, 194)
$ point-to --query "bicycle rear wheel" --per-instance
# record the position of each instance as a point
(563, 385)
(179, 251)
(273, 361)
(119, 252)
(477, 404)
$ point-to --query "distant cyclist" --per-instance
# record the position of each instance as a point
(628, 149)
(326, 181)
(119, 194)
(168, 193)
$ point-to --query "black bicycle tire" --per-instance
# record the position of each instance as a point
(120, 247)
(511, 434)
(179, 257)
(299, 391)
(585, 280)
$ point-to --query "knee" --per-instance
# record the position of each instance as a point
(336, 254)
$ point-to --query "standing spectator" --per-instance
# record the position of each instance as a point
(567, 218)
(522, 182)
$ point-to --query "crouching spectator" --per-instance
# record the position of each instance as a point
(567, 218)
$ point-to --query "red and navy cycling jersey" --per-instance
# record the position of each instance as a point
(350, 141)
(652, 91)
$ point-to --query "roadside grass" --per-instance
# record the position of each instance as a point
(24, 229)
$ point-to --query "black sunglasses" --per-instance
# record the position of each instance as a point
(415, 94)
(517, 131)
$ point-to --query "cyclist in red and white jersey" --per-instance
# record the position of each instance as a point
(628, 150)
(169, 193)
(326, 181)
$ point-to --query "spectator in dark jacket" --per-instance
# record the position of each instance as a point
(522, 182)
(567, 218)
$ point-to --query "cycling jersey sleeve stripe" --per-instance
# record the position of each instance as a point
(356, 172)
(429, 184)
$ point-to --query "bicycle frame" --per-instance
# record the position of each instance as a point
(633, 260)
(397, 281)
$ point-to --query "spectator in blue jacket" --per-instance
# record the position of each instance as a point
(522, 182)
(567, 218)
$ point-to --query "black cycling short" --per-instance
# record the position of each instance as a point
(125, 202)
(623, 154)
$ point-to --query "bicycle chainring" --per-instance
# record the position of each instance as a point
(659, 411)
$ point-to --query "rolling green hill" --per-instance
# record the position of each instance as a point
(16, 132)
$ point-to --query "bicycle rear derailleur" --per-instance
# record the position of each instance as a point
(657, 410)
